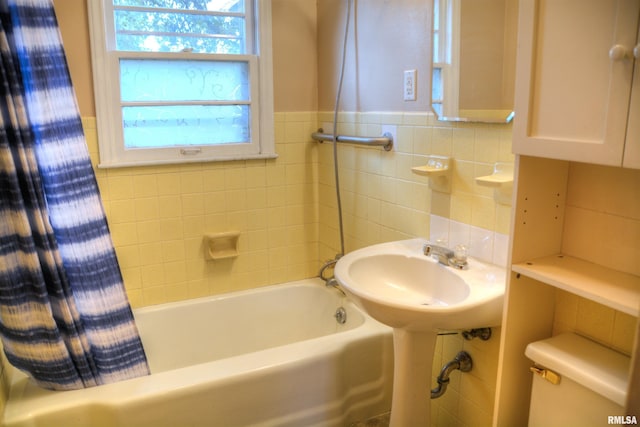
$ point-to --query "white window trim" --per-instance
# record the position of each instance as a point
(105, 61)
(449, 48)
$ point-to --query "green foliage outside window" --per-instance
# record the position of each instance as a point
(200, 26)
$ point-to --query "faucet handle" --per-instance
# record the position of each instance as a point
(459, 259)
(427, 248)
(460, 252)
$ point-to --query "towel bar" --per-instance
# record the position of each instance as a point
(386, 140)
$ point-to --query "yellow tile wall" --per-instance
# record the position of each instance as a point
(606, 201)
(158, 216)
(605, 325)
(383, 200)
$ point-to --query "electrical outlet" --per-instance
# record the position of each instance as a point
(409, 88)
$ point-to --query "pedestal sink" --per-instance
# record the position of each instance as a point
(396, 284)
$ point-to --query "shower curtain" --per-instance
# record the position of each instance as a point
(64, 315)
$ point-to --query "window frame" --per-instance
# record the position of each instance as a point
(447, 12)
(106, 75)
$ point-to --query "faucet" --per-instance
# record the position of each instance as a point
(328, 265)
(455, 258)
(331, 281)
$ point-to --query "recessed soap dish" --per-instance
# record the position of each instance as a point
(221, 245)
(438, 169)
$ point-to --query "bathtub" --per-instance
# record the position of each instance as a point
(272, 356)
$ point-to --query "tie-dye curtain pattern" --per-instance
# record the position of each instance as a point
(64, 315)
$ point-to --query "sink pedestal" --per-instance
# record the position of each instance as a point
(413, 360)
(396, 284)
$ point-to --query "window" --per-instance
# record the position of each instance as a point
(182, 80)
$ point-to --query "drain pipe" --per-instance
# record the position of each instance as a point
(462, 361)
(483, 333)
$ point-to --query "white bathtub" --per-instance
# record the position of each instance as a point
(273, 356)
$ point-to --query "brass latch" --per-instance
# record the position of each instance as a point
(547, 374)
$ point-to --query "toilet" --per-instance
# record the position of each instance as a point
(576, 382)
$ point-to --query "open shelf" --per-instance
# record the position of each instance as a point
(614, 289)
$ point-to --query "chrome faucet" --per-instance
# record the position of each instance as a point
(331, 281)
(455, 258)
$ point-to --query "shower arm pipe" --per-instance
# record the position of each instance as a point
(385, 140)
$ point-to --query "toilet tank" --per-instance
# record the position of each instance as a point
(576, 382)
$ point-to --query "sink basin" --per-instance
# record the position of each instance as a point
(396, 284)
(401, 287)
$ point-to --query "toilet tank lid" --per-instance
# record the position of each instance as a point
(590, 364)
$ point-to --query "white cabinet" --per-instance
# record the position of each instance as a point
(575, 230)
(575, 78)
(632, 147)
(575, 224)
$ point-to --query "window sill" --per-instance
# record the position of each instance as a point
(113, 165)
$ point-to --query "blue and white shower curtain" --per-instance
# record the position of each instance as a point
(64, 315)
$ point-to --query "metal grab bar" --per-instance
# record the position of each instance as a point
(386, 140)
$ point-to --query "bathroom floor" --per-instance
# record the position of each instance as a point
(377, 421)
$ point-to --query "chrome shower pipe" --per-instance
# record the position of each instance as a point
(330, 281)
(335, 127)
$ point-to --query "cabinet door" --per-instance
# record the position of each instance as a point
(632, 144)
(572, 98)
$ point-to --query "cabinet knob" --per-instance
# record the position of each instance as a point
(636, 51)
(618, 52)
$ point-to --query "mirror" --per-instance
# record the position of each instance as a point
(473, 63)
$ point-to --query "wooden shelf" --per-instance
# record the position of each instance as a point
(614, 289)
